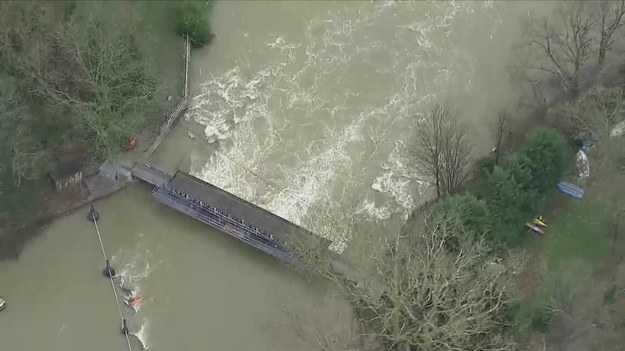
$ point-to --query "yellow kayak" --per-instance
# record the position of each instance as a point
(540, 221)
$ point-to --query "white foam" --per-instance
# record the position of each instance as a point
(261, 115)
(142, 335)
(373, 212)
(399, 179)
(308, 182)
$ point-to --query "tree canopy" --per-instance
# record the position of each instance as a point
(512, 193)
(410, 292)
(73, 76)
(544, 151)
(192, 20)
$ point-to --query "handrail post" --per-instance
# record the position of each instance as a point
(186, 69)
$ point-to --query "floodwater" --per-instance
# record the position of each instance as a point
(201, 289)
(305, 108)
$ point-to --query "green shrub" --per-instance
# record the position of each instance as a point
(507, 196)
(541, 318)
(546, 149)
(466, 213)
(520, 168)
(510, 206)
(192, 20)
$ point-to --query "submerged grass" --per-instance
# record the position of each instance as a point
(161, 42)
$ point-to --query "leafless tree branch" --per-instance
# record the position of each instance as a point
(443, 151)
(566, 45)
(427, 288)
(611, 20)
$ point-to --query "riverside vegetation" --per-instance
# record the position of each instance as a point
(77, 78)
(452, 277)
(465, 273)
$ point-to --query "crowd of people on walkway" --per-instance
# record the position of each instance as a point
(209, 208)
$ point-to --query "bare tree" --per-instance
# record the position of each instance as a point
(327, 326)
(410, 291)
(566, 45)
(610, 21)
(499, 131)
(443, 151)
(593, 115)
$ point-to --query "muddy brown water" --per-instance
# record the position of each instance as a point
(305, 108)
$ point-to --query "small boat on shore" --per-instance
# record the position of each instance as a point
(535, 228)
(571, 190)
(3, 304)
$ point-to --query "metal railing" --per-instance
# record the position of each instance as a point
(225, 224)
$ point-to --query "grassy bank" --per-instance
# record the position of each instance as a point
(577, 243)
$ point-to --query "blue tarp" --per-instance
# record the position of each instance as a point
(571, 189)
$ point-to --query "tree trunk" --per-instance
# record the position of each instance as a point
(601, 56)
(438, 182)
(573, 88)
(497, 153)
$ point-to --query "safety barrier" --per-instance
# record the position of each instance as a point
(225, 224)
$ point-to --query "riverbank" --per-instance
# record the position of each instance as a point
(98, 183)
(98, 187)
(169, 50)
(56, 206)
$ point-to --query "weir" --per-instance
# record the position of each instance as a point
(214, 206)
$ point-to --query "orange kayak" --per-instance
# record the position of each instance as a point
(134, 302)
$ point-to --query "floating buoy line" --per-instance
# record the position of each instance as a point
(109, 272)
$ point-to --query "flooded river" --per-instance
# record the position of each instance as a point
(305, 108)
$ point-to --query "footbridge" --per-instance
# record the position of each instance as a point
(214, 206)
(226, 212)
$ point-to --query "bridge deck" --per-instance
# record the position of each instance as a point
(237, 208)
(151, 175)
(227, 212)
(225, 224)
(164, 128)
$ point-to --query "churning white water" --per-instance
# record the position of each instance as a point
(315, 123)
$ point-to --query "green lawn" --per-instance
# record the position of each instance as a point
(580, 234)
(575, 244)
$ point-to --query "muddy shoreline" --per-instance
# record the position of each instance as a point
(15, 238)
